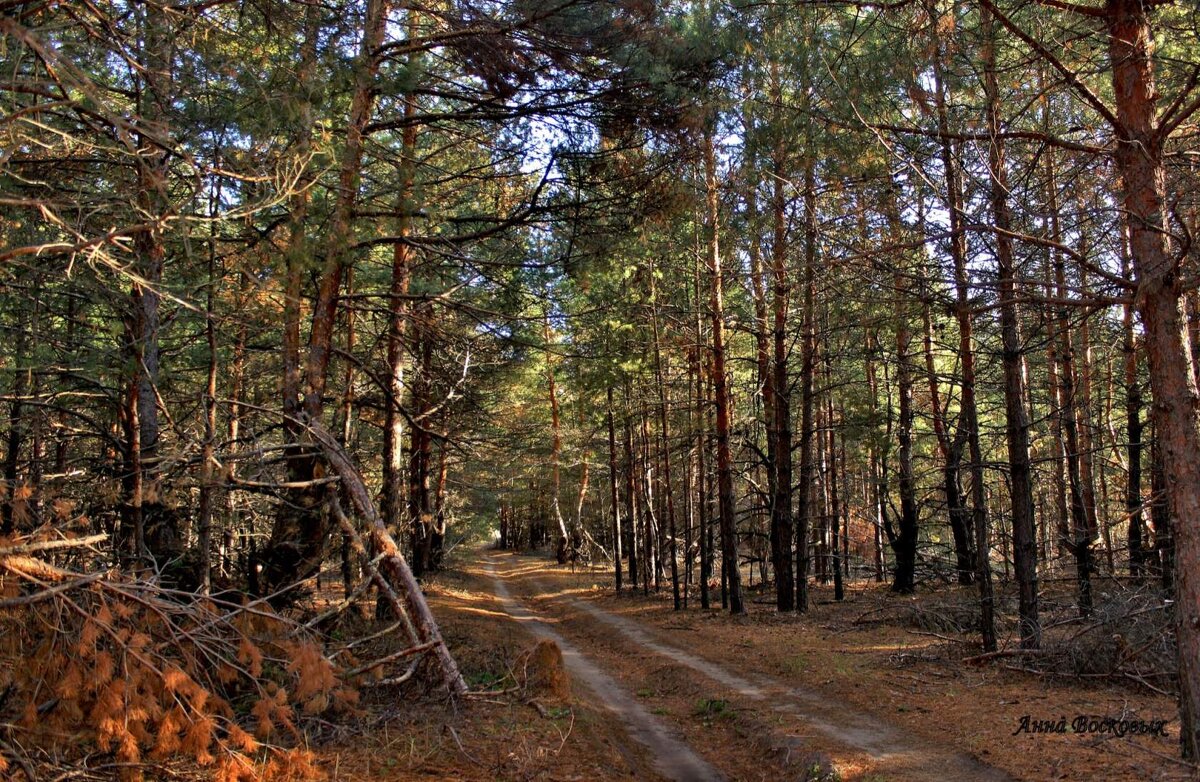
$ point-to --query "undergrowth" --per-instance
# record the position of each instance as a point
(107, 663)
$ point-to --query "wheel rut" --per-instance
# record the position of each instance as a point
(886, 744)
(672, 757)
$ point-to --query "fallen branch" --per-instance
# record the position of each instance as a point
(982, 658)
(391, 658)
(46, 594)
(461, 748)
(33, 568)
(47, 545)
(939, 636)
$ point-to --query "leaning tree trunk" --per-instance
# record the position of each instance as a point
(410, 603)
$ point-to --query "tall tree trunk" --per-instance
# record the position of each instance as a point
(951, 451)
(631, 504)
(649, 518)
(877, 477)
(1084, 410)
(835, 508)
(1057, 403)
(155, 531)
(344, 436)
(969, 416)
(660, 377)
(392, 502)
(725, 496)
(962, 522)
(612, 488)
(1082, 534)
(1017, 432)
(420, 441)
(204, 514)
(1140, 160)
(393, 428)
(298, 536)
(781, 549)
(903, 540)
(555, 445)
(237, 384)
(399, 312)
(821, 468)
(701, 412)
(1133, 428)
(807, 369)
(15, 438)
(437, 536)
(781, 502)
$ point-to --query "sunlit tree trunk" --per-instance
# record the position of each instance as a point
(701, 413)
(877, 490)
(612, 488)
(420, 441)
(835, 501)
(631, 500)
(664, 429)
(555, 446)
(392, 501)
(808, 352)
(781, 430)
(725, 496)
(1140, 160)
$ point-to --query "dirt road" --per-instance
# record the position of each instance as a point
(801, 720)
(672, 757)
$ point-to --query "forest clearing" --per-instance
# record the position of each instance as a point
(590, 389)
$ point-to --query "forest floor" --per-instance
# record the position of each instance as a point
(849, 691)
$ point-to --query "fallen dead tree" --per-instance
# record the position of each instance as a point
(409, 603)
(1129, 636)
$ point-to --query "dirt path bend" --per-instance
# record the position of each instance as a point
(888, 745)
(672, 757)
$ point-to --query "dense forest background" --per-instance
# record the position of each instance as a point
(716, 293)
